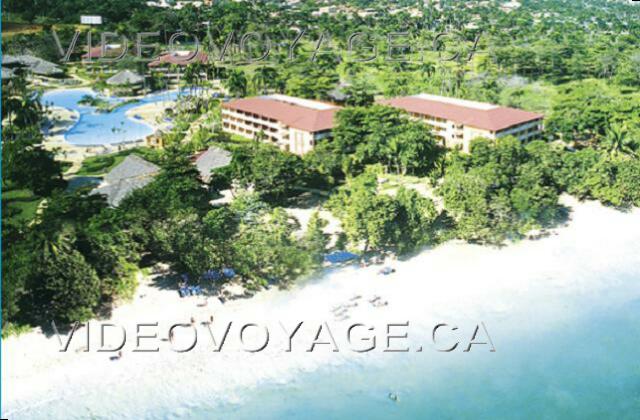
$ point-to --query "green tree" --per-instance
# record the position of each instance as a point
(315, 241)
(381, 134)
(236, 83)
(617, 142)
(265, 78)
(378, 221)
(359, 94)
(69, 288)
(271, 172)
(267, 251)
(501, 190)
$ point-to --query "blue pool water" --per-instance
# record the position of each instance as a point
(97, 128)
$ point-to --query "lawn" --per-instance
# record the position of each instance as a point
(21, 204)
(232, 142)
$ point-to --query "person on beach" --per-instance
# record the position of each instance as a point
(209, 322)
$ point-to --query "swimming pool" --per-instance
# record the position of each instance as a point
(98, 128)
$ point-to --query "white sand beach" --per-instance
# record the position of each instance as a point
(451, 283)
(152, 113)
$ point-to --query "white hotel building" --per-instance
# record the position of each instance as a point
(293, 124)
(457, 121)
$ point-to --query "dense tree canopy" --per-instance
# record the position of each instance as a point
(378, 220)
(577, 62)
(500, 190)
(376, 134)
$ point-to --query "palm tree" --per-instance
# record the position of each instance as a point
(617, 142)
(236, 83)
(264, 78)
(212, 71)
(189, 76)
(20, 106)
(192, 76)
(428, 68)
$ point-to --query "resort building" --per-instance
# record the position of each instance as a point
(179, 58)
(170, 64)
(179, 4)
(457, 121)
(111, 51)
(293, 124)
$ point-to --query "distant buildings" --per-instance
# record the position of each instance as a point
(108, 51)
(510, 6)
(179, 58)
(293, 124)
(179, 4)
(456, 121)
(168, 64)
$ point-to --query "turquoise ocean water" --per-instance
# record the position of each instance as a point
(587, 369)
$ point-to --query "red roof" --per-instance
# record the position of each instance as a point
(293, 115)
(96, 52)
(494, 119)
(181, 60)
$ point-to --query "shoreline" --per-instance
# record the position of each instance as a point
(451, 282)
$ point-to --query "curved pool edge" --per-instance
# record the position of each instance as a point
(127, 115)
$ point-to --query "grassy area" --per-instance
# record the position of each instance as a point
(533, 97)
(99, 165)
(22, 204)
(234, 141)
(65, 165)
(392, 182)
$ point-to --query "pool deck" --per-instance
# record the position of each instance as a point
(152, 114)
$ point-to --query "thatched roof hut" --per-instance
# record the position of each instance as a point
(211, 159)
(33, 64)
(131, 174)
(125, 77)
